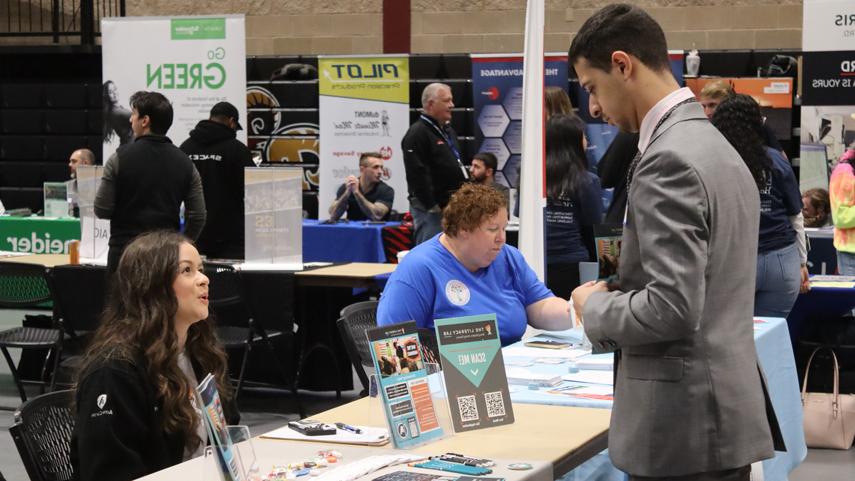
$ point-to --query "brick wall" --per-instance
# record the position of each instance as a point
(497, 25)
(447, 26)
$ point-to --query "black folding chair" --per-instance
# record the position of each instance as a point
(79, 294)
(25, 286)
(42, 434)
(237, 329)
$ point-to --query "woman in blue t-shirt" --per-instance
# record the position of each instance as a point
(781, 256)
(468, 269)
(573, 204)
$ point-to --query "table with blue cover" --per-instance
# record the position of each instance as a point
(355, 241)
(776, 358)
(824, 301)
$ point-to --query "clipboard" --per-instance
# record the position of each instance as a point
(370, 436)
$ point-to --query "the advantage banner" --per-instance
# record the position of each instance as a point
(194, 61)
(363, 107)
(497, 81)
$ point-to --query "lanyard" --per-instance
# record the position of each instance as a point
(442, 134)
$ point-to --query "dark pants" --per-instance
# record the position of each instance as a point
(113, 256)
(426, 224)
(738, 474)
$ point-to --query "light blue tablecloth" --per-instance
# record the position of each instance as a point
(776, 358)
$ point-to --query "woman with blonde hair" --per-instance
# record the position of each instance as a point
(135, 392)
(557, 102)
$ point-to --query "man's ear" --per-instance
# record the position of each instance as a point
(622, 62)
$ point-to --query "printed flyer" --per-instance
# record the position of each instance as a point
(407, 400)
(215, 420)
(474, 371)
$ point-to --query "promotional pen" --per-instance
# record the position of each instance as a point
(348, 428)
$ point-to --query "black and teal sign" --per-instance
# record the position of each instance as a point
(474, 370)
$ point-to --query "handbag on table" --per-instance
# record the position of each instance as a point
(829, 418)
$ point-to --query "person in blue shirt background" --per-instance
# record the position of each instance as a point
(467, 269)
(781, 255)
(573, 204)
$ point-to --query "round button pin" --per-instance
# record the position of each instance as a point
(519, 466)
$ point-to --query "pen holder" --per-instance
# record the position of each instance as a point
(241, 455)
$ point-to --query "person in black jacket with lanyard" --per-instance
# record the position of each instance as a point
(220, 159)
(134, 396)
(432, 161)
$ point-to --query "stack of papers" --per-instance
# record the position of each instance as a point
(520, 375)
(590, 377)
(570, 354)
(597, 362)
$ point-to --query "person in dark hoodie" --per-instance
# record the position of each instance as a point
(220, 158)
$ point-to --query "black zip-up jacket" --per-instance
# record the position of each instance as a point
(433, 171)
(118, 436)
(220, 158)
(142, 189)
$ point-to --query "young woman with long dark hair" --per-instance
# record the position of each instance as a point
(573, 203)
(134, 396)
(781, 256)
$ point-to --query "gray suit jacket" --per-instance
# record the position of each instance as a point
(688, 393)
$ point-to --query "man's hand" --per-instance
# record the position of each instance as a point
(805, 284)
(580, 295)
(351, 183)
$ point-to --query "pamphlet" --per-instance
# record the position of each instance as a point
(407, 402)
(474, 370)
(56, 199)
(215, 420)
(607, 238)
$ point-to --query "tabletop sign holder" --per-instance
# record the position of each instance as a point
(273, 218)
(94, 232)
(407, 397)
(474, 371)
(56, 199)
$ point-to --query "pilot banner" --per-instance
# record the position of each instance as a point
(363, 107)
(194, 61)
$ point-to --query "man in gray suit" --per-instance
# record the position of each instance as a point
(689, 396)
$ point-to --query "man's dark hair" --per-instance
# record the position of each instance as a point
(620, 27)
(489, 160)
(157, 107)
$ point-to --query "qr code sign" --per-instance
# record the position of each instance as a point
(468, 408)
(495, 404)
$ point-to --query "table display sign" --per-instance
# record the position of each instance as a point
(94, 232)
(56, 199)
(407, 401)
(474, 371)
(273, 216)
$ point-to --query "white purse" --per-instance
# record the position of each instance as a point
(829, 418)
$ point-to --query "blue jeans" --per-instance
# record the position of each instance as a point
(426, 224)
(778, 282)
(846, 263)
